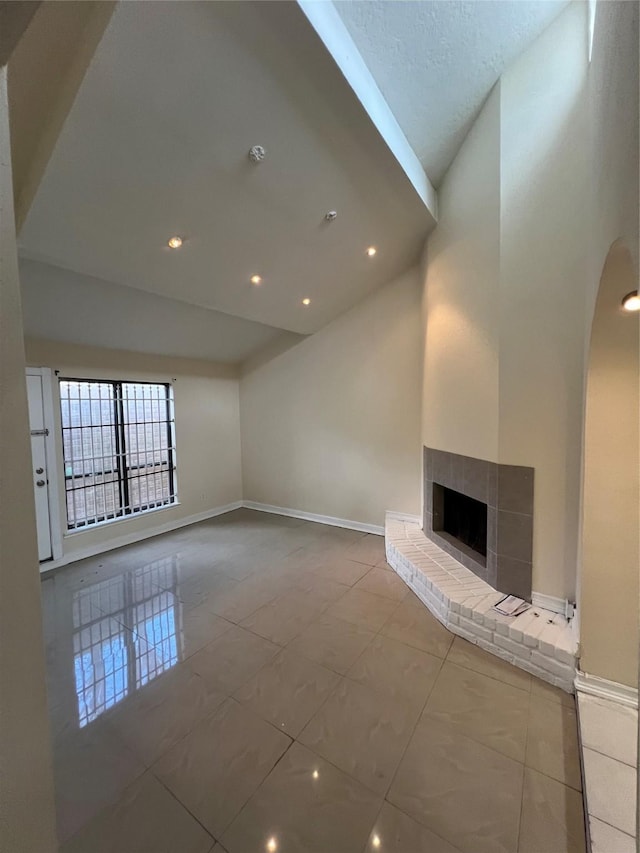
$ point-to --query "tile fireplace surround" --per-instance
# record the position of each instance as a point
(507, 491)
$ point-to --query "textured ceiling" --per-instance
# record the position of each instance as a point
(436, 62)
(156, 144)
(64, 306)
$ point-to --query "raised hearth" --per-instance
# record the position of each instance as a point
(538, 641)
(481, 513)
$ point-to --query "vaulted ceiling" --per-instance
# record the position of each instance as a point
(435, 62)
(156, 141)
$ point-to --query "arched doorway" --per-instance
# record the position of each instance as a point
(610, 546)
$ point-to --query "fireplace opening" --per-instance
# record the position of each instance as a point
(462, 518)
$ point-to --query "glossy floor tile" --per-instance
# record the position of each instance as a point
(335, 643)
(488, 711)
(552, 816)
(255, 683)
(402, 672)
(288, 691)
(285, 617)
(304, 804)
(552, 741)
(411, 623)
(473, 657)
(466, 793)
(218, 766)
(384, 583)
(229, 661)
(153, 720)
(363, 609)
(362, 732)
(146, 819)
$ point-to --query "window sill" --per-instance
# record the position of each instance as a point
(112, 522)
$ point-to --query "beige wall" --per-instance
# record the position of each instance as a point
(613, 216)
(207, 430)
(332, 426)
(543, 247)
(504, 290)
(460, 408)
(611, 483)
(27, 817)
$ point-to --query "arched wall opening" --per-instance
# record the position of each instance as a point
(611, 497)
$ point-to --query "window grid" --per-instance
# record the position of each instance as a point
(119, 449)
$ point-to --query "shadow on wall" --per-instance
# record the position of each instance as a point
(609, 593)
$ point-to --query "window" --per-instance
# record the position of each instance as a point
(119, 449)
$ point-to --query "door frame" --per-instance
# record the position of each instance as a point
(55, 524)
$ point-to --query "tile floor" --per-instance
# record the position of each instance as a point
(258, 683)
(610, 748)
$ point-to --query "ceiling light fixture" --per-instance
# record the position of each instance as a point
(631, 301)
(256, 279)
(257, 154)
(330, 215)
(306, 301)
(175, 242)
(272, 845)
(371, 251)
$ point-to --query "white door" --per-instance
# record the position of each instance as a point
(39, 469)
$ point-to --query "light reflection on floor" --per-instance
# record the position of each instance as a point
(110, 661)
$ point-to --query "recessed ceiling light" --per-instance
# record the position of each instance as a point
(175, 242)
(272, 845)
(256, 279)
(371, 251)
(631, 301)
(306, 301)
(375, 841)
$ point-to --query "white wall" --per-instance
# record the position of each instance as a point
(332, 426)
(207, 430)
(27, 815)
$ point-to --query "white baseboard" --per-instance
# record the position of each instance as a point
(376, 529)
(549, 602)
(594, 685)
(404, 516)
(131, 538)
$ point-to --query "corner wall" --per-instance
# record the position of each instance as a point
(611, 515)
(543, 249)
(207, 414)
(504, 290)
(332, 425)
(27, 813)
(461, 299)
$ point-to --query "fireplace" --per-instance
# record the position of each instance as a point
(481, 513)
(462, 518)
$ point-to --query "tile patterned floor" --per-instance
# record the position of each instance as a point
(257, 683)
